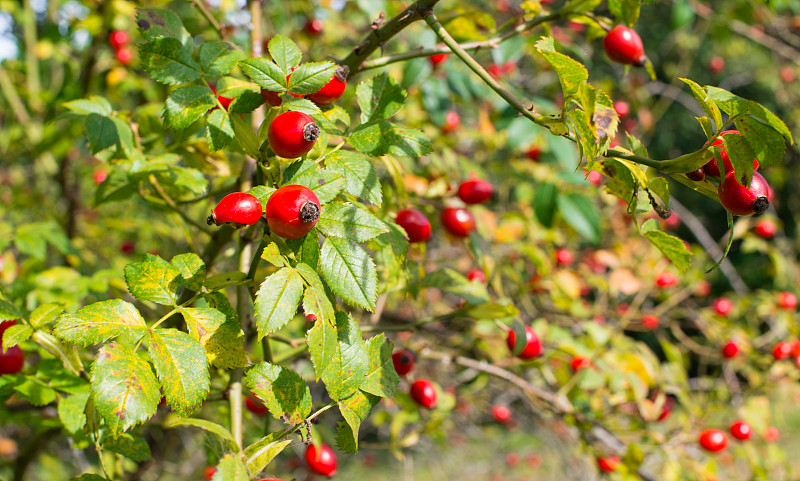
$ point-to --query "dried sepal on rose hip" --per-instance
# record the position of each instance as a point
(238, 209)
(292, 211)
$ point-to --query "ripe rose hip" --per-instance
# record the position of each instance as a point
(416, 225)
(124, 55)
(730, 350)
(564, 257)
(713, 440)
(119, 38)
(787, 300)
(782, 350)
(594, 177)
(723, 306)
(451, 122)
(501, 413)
(437, 59)
(741, 430)
(255, 407)
(622, 108)
(712, 166)
(772, 434)
(292, 211)
(650, 321)
(740, 200)
(475, 191)
(533, 346)
(765, 229)
(100, 175)
(533, 153)
(236, 208)
(313, 26)
(458, 221)
(423, 393)
(292, 134)
(332, 90)
(580, 362)
(209, 472)
(321, 460)
(476, 275)
(11, 360)
(623, 45)
(608, 464)
(5, 325)
(669, 403)
(403, 361)
(716, 64)
(224, 101)
(666, 279)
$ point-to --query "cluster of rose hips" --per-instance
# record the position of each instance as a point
(422, 391)
(12, 359)
(715, 440)
(120, 41)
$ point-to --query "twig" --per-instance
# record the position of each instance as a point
(201, 6)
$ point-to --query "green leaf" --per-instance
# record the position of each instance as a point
(379, 97)
(174, 421)
(186, 105)
(135, 448)
(8, 311)
(45, 314)
(262, 452)
(736, 106)
(766, 144)
(219, 58)
(245, 136)
(155, 23)
(570, 72)
(347, 221)
(380, 137)
(71, 410)
(246, 102)
(15, 334)
(102, 132)
(381, 378)
(124, 389)
(350, 364)
(153, 279)
(300, 105)
(309, 252)
(334, 120)
(672, 247)
(92, 105)
(355, 410)
(231, 468)
(265, 73)
(310, 77)
(710, 107)
(115, 188)
(581, 214)
(323, 345)
(360, 178)
(36, 392)
(316, 302)
(168, 62)
(325, 183)
(282, 391)
(544, 204)
(284, 52)
(182, 368)
(89, 477)
(626, 11)
(221, 336)
(450, 281)
(219, 130)
(277, 300)
(741, 156)
(99, 322)
(349, 272)
(192, 269)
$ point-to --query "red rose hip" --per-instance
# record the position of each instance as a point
(475, 191)
(292, 211)
(292, 134)
(765, 229)
(533, 346)
(723, 306)
(580, 362)
(119, 38)
(741, 430)
(608, 464)
(787, 300)
(255, 407)
(321, 460)
(623, 45)
(236, 208)
(458, 221)
(501, 413)
(740, 200)
(403, 361)
(416, 225)
(423, 393)
(713, 440)
(12, 360)
(730, 350)
(332, 90)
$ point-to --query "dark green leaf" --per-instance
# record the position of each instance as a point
(219, 58)
(544, 205)
(581, 214)
(154, 23)
(310, 77)
(349, 272)
(381, 379)
(284, 52)
(355, 409)
(168, 62)
(347, 221)
(219, 131)
(379, 97)
(102, 132)
(282, 391)
(264, 73)
(186, 105)
(360, 178)
(134, 448)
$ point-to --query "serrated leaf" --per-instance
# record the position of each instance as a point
(246, 102)
(92, 105)
(219, 130)
(349, 271)
(219, 58)
(153, 279)
(380, 137)
(115, 188)
(174, 421)
(45, 314)
(8, 311)
(231, 468)
(277, 300)
(71, 410)
(124, 390)
(323, 345)
(192, 270)
(326, 184)
(14, 335)
(262, 193)
(360, 178)
(310, 77)
(346, 372)
(355, 410)
(734, 105)
(309, 252)
(672, 247)
(182, 369)
(381, 378)
(346, 439)
(134, 448)
(99, 322)
(284, 52)
(347, 221)
(186, 105)
(300, 105)
(766, 143)
(334, 120)
(450, 281)
(265, 73)
(379, 97)
(168, 62)
(221, 336)
(570, 72)
(101, 131)
(581, 214)
(262, 452)
(154, 23)
(282, 391)
(626, 11)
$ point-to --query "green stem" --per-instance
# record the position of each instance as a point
(235, 402)
(200, 5)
